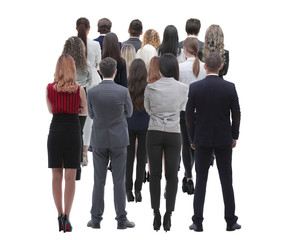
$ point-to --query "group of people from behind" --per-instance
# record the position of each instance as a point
(140, 107)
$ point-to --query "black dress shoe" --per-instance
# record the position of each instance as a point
(94, 224)
(234, 227)
(138, 196)
(125, 224)
(196, 227)
(190, 187)
(130, 196)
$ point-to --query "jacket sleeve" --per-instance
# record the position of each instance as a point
(235, 111)
(146, 100)
(90, 109)
(128, 105)
(190, 115)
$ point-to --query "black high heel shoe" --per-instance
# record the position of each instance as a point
(59, 219)
(156, 220)
(167, 221)
(66, 224)
(138, 196)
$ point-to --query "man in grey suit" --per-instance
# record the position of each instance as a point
(135, 30)
(108, 105)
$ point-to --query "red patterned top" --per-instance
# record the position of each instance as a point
(63, 102)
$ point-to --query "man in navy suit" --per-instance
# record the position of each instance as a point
(104, 26)
(108, 105)
(213, 120)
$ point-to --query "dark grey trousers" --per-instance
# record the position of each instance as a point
(101, 157)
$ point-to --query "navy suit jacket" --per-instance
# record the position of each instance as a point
(212, 112)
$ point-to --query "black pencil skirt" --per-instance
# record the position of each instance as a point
(64, 142)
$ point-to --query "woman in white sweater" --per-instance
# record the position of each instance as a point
(93, 51)
(189, 71)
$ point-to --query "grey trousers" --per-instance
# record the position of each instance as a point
(101, 157)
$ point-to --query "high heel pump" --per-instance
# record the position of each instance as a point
(59, 219)
(66, 224)
(156, 221)
(167, 221)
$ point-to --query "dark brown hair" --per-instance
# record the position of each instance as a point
(135, 28)
(153, 70)
(191, 45)
(82, 26)
(137, 83)
(193, 26)
(104, 26)
(111, 47)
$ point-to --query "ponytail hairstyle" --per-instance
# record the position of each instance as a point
(191, 46)
(82, 26)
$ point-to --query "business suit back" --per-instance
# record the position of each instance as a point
(136, 42)
(212, 102)
(108, 105)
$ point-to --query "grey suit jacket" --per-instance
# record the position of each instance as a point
(136, 42)
(108, 105)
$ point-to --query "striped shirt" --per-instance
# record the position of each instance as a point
(63, 102)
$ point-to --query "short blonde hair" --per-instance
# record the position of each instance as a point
(64, 76)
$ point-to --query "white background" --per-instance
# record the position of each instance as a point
(32, 38)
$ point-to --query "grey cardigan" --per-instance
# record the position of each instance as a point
(163, 101)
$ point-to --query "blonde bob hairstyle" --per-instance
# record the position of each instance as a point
(64, 76)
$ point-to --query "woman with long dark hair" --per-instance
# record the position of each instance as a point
(65, 100)
(111, 48)
(164, 99)
(137, 125)
(170, 44)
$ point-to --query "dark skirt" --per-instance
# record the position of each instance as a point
(64, 142)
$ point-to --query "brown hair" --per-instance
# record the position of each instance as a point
(104, 26)
(64, 76)
(191, 45)
(153, 70)
(111, 47)
(82, 25)
(137, 83)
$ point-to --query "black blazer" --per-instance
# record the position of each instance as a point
(212, 112)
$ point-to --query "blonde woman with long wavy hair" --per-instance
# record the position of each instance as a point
(214, 42)
(65, 100)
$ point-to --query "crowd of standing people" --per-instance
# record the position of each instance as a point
(145, 101)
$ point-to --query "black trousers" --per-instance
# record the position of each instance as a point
(169, 144)
(140, 151)
(187, 151)
(203, 158)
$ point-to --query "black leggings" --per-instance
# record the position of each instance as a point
(140, 151)
(159, 142)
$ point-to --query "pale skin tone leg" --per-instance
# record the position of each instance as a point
(69, 191)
